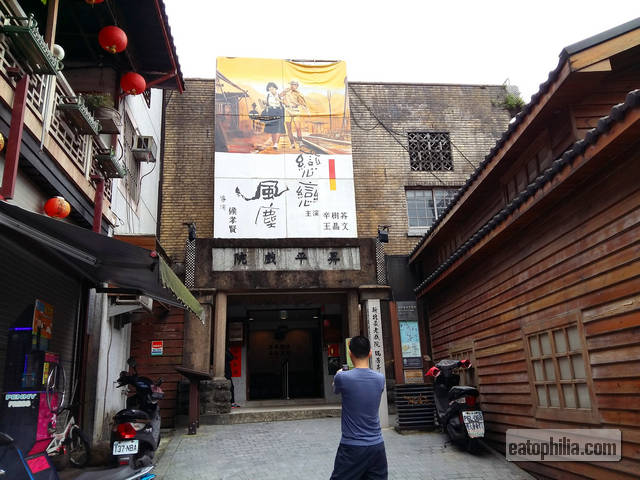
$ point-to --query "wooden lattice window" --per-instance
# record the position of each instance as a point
(468, 376)
(430, 151)
(558, 367)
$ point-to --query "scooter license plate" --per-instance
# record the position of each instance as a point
(474, 421)
(126, 447)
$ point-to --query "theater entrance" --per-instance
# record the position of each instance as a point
(284, 354)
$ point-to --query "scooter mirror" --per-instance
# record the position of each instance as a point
(131, 362)
(159, 382)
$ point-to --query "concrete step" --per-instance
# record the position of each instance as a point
(272, 414)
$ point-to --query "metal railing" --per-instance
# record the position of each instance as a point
(77, 147)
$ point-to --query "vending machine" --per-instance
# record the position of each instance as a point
(24, 407)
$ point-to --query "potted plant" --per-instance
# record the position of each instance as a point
(101, 106)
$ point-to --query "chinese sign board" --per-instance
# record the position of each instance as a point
(157, 348)
(375, 335)
(298, 259)
(283, 166)
(409, 334)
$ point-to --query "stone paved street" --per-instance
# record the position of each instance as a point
(305, 449)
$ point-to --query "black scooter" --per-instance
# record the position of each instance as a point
(136, 431)
(456, 405)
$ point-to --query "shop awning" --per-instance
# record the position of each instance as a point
(101, 259)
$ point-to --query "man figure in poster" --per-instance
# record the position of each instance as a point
(361, 453)
(294, 104)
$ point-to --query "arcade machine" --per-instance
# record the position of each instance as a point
(30, 393)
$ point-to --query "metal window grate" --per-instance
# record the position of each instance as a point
(430, 151)
(190, 264)
(381, 269)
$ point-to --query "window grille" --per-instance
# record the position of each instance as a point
(430, 151)
(558, 367)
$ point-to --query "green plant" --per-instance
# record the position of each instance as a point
(513, 101)
(97, 100)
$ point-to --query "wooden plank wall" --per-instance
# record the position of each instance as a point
(170, 329)
(582, 257)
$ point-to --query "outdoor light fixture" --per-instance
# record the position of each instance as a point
(383, 233)
(283, 314)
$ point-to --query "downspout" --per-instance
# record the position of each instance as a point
(168, 45)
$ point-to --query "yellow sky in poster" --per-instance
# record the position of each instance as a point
(259, 71)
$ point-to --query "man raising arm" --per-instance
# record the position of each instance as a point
(361, 452)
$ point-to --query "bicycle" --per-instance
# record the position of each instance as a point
(71, 444)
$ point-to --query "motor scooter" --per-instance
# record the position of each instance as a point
(136, 432)
(14, 465)
(456, 405)
(135, 435)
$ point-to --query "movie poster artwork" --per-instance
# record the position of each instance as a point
(283, 165)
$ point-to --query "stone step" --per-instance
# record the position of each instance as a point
(271, 414)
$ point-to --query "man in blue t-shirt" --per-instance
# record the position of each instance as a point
(361, 453)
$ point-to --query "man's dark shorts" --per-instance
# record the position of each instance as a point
(356, 463)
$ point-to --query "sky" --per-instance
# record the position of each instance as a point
(408, 41)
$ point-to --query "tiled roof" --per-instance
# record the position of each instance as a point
(617, 113)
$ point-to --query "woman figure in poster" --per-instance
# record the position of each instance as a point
(274, 111)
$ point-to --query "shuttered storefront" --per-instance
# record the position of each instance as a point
(24, 277)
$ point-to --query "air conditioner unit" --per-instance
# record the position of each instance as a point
(144, 149)
(130, 303)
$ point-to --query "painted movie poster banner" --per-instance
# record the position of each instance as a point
(283, 166)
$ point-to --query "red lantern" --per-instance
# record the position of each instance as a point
(133, 83)
(57, 207)
(93, 2)
(112, 39)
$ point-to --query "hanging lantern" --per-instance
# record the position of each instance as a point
(93, 2)
(57, 207)
(133, 83)
(112, 39)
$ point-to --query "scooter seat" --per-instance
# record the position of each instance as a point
(462, 391)
(131, 414)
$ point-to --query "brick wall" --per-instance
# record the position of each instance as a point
(381, 116)
(187, 180)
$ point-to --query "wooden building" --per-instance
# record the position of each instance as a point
(534, 270)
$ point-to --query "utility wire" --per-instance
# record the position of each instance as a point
(382, 124)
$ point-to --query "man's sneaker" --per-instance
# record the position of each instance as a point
(235, 405)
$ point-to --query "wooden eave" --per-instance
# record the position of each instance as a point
(615, 141)
(575, 73)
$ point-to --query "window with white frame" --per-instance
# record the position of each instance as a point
(425, 206)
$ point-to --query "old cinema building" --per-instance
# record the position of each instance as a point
(280, 268)
(285, 254)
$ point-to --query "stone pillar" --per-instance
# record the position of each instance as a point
(220, 335)
(353, 309)
(374, 327)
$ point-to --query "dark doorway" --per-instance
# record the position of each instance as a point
(284, 354)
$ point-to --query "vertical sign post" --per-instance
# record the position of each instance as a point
(374, 322)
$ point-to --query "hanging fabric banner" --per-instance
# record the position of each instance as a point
(283, 165)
